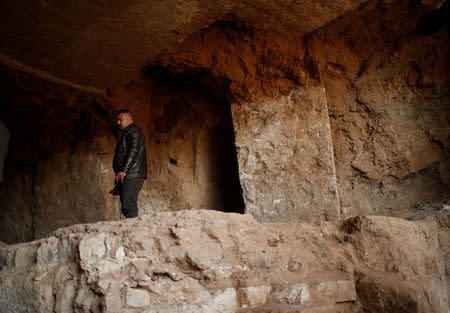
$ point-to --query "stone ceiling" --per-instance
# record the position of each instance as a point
(98, 43)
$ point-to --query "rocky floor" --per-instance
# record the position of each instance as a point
(208, 261)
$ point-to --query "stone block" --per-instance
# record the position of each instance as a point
(137, 298)
(254, 296)
(222, 302)
(25, 256)
(336, 291)
(92, 247)
(48, 250)
(295, 294)
(285, 157)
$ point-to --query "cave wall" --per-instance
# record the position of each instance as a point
(59, 168)
(71, 189)
(388, 95)
(386, 89)
(280, 118)
(54, 175)
(350, 119)
(191, 156)
(286, 157)
(16, 199)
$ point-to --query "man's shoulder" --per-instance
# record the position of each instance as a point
(132, 128)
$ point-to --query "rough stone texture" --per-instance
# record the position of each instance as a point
(75, 193)
(102, 43)
(59, 171)
(208, 261)
(55, 172)
(279, 114)
(191, 157)
(388, 93)
(137, 298)
(16, 203)
(386, 88)
(286, 157)
(243, 64)
(387, 98)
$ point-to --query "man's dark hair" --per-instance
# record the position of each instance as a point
(125, 111)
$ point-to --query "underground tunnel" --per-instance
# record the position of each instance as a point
(325, 126)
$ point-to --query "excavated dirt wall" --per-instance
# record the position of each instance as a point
(280, 118)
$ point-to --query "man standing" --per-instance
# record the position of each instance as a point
(129, 163)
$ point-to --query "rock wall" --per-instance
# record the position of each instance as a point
(286, 157)
(388, 93)
(16, 203)
(279, 114)
(370, 79)
(55, 168)
(99, 44)
(191, 155)
(59, 170)
(71, 189)
(386, 86)
(206, 261)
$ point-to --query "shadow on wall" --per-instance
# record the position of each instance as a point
(53, 173)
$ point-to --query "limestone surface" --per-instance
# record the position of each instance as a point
(388, 94)
(208, 261)
(285, 157)
(386, 87)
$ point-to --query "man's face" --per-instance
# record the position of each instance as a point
(123, 120)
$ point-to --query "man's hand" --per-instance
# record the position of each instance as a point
(120, 177)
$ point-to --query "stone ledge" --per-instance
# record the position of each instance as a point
(208, 261)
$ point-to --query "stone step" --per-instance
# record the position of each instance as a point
(302, 296)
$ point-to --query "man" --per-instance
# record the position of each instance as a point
(129, 163)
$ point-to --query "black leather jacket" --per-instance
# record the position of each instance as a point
(130, 156)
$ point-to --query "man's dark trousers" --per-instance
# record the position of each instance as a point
(129, 191)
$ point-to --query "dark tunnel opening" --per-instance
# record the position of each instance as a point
(224, 151)
(216, 121)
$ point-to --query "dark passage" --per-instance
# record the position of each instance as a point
(226, 168)
(195, 124)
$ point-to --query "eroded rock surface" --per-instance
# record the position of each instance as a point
(382, 81)
(207, 261)
(100, 44)
(388, 94)
(55, 172)
(286, 157)
(386, 86)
